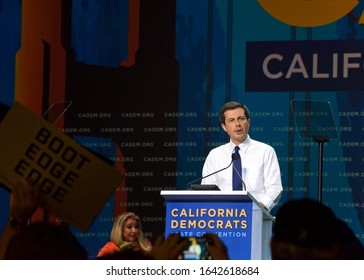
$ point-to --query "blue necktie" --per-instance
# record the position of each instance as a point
(237, 181)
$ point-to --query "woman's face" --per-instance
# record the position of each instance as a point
(131, 230)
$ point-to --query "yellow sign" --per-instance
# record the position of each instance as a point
(308, 13)
(75, 183)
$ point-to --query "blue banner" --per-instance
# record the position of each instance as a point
(304, 66)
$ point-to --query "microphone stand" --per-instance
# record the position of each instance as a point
(241, 178)
(320, 139)
(233, 157)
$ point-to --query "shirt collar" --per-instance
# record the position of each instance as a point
(242, 145)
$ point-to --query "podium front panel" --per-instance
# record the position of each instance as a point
(230, 220)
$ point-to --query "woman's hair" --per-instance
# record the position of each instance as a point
(116, 235)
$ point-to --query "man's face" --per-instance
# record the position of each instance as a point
(236, 125)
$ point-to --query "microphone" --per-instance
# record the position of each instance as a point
(233, 157)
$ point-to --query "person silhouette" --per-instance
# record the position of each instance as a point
(305, 229)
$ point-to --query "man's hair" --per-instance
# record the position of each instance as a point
(306, 222)
(307, 229)
(231, 106)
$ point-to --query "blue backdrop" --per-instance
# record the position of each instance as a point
(191, 58)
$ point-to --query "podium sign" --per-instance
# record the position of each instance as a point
(229, 215)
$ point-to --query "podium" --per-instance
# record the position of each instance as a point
(235, 217)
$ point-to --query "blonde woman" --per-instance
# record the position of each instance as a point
(126, 233)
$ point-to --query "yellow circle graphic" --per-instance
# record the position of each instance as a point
(308, 13)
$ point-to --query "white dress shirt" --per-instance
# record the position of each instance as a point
(260, 170)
